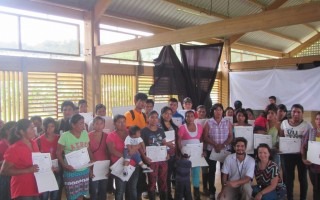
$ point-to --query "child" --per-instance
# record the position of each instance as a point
(133, 143)
(183, 186)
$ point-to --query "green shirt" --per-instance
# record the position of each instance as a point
(71, 143)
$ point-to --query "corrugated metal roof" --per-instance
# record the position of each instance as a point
(316, 25)
(296, 31)
(292, 3)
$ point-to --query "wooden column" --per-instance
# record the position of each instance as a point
(225, 67)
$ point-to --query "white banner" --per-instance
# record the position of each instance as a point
(289, 86)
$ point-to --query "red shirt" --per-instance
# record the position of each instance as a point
(4, 145)
(98, 148)
(20, 155)
(47, 146)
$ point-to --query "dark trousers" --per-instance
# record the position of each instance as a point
(315, 180)
(170, 173)
(212, 173)
(142, 183)
(183, 190)
(289, 161)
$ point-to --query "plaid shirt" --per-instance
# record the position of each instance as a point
(218, 132)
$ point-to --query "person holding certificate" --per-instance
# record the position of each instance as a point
(76, 181)
(18, 162)
(314, 169)
(217, 135)
(295, 127)
(190, 133)
(152, 135)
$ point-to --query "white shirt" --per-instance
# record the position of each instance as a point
(295, 131)
(237, 170)
(132, 141)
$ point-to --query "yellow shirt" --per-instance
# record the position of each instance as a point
(139, 119)
(318, 139)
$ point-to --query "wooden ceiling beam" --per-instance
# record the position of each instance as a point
(99, 8)
(251, 48)
(282, 62)
(305, 45)
(271, 19)
(282, 36)
(197, 9)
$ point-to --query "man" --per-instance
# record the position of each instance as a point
(37, 122)
(237, 173)
(101, 111)
(272, 100)
(176, 117)
(149, 106)
(83, 106)
(67, 109)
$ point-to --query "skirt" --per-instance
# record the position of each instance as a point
(76, 183)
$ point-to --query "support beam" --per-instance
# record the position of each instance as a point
(271, 19)
(263, 64)
(282, 36)
(305, 45)
(246, 47)
(197, 9)
(99, 8)
(257, 3)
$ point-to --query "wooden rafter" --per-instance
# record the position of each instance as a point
(99, 8)
(246, 47)
(287, 16)
(197, 9)
(305, 45)
(282, 36)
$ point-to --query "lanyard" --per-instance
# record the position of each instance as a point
(240, 171)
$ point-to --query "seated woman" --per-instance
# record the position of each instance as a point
(270, 185)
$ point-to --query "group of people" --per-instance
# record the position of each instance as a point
(131, 133)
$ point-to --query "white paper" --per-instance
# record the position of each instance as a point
(247, 133)
(177, 121)
(313, 154)
(117, 170)
(289, 145)
(251, 122)
(195, 152)
(262, 138)
(88, 117)
(100, 170)
(170, 136)
(55, 163)
(156, 153)
(219, 156)
(201, 121)
(46, 181)
(230, 119)
(79, 159)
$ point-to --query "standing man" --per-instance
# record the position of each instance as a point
(273, 100)
(176, 117)
(149, 106)
(67, 109)
(237, 173)
(83, 106)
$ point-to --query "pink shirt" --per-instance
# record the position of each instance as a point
(98, 148)
(193, 137)
(118, 142)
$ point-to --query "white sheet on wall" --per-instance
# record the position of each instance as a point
(289, 86)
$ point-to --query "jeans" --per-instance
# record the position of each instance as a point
(98, 189)
(170, 173)
(128, 188)
(53, 195)
(136, 156)
(315, 180)
(27, 198)
(289, 161)
(268, 196)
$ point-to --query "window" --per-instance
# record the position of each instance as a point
(215, 94)
(9, 36)
(312, 50)
(11, 102)
(47, 91)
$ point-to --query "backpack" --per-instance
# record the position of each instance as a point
(133, 117)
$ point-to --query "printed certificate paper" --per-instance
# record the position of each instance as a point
(156, 153)
(289, 145)
(46, 181)
(195, 152)
(221, 156)
(100, 170)
(262, 138)
(313, 154)
(170, 136)
(117, 170)
(246, 132)
(79, 159)
(177, 121)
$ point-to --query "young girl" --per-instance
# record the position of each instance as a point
(183, 187)
(152, 135)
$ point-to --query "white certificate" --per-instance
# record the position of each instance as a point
(262, 138)
(170, 136)
(79, 159)
(177, 121)
(55, 163)
(117, 170)
(230, 119)
(313, 154)
(46, 181)
(251, 122)
(195, 152)
(247, 133)
(101, 170)
(201, 121)
(219, 156)
(289, 145)
(156, 153)
(88, 117)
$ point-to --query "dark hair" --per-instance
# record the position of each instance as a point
(164, 127)
(318, 113)
(97, 118)
(186, 113)
(271, 107)
(299, 106)
(201, 107)
(174, 100)
(47, 121)
(22, 125)
(82, 101)
(243, 111)
(249, 110)
(187, 100)
(282, 107)
(150, 101)
(152, 112)
(237, 104)
(225, 111)
(99, 106)
(140, 96)
(263, 145)
(273, 97)
(133, 130)
(75, 119)
(37, 118)
(67, 103)
(214, 107)
(7, 127)
(240, 139)
(117, 117)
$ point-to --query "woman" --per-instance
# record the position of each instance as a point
(218, 136)
(76, 181)
(282, 113)
(167, 124)
(314, 169)
(18, 162)
(190, 133)
(242, 118)
(98, 148)
(269, 184)
(48, 143)
(115, 146)
(250, 114)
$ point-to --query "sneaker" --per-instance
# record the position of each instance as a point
(125, 171)
(147, 170)
(145, 195)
